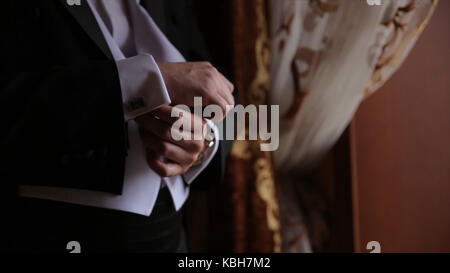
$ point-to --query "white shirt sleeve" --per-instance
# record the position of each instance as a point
(144, 90)
(142, 85)
(194, 171)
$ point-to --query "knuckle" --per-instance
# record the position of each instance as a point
(224, 108)
(208, 85)
(164, 149)
(167, 134)
(164, 172)
(207, 64)
(209, 74)
(160, 170)
(207, 88)
(192, 158)
(213, 70)
(197, 146)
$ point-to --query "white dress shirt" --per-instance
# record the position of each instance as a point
(136, 43)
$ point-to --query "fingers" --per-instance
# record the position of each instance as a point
(191, 134)
(228, 84)
(217, 100)
(165, 158)
(190, 139)
(164, 113)
(225, 92)
(171, 114)
(184, 81)
(228, 97)
(191, 122)
(224, 88)
(221, 96)
(154, 124)
(163, 169)
(215, 89)
(167, 150)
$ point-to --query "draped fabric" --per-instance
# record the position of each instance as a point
(327, 56)
(317, 59)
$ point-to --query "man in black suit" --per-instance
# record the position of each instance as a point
(66, 115)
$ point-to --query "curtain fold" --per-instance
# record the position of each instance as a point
(328, 56)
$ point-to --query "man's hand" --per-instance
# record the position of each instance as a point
(166, 156)
(185, 81)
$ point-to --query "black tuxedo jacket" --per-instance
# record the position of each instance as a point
(60, 99)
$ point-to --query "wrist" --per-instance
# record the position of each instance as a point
(209, 142)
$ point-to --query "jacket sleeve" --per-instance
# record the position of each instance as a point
(62, 125)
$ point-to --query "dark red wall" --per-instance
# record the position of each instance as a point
(400, 145)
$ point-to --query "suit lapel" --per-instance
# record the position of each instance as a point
(83, 15)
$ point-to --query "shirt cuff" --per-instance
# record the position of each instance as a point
(194, 171)
(142, 85)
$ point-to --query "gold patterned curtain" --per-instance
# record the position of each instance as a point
(251, 175)
(242, 215)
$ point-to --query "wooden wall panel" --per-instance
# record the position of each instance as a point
(400, 142)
